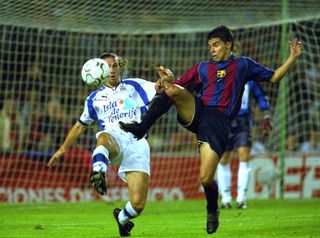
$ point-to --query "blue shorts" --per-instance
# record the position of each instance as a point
(240, 135)
(210, 125)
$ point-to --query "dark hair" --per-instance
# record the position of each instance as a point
(223, 33)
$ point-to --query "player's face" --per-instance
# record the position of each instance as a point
(218, 49)
(114, 72)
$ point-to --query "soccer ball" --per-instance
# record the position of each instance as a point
(268, 175)
(95, 72)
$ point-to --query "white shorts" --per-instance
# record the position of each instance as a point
(134, 154)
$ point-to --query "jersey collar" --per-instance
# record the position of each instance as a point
(231, 57)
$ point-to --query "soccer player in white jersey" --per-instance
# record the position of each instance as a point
(125, 100)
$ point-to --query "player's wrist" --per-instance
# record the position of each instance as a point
(62, 150)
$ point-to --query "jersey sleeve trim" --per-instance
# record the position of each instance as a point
(81, 122)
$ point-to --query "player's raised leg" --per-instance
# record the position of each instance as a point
(106, 148)
(174, 94)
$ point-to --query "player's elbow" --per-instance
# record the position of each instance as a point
(205, 180)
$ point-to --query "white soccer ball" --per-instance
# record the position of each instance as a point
(95, 72)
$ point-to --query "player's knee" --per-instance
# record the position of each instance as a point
(206, 180)
(224, 161)
(244, 157)
(173, 90)
(107, 141)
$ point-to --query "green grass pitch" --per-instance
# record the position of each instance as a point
(263, 218)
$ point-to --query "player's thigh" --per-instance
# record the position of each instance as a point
(244, 153)
(208, 164)
(138, 185)
(184, 102)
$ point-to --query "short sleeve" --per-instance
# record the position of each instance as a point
(85, 117)
(258, 72)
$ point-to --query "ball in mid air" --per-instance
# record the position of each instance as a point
(95, 72)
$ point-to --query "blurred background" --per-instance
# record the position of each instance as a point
(45, 43)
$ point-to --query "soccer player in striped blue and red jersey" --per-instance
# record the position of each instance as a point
(220, 83)
(240, 139)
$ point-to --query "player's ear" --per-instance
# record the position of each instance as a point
(229, 45)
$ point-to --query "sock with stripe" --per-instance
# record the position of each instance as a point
(127, 213)
(100, 159)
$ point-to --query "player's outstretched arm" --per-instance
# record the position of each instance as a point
(75, 132)
(296, 49)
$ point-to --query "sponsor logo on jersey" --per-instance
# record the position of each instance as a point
(119, 109)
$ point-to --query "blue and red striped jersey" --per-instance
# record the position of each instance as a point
(221, 84)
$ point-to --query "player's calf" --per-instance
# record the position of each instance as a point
(161, 104)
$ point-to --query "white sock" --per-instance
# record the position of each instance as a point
(224, 182)
(100, 159)
(243, 181)
(127, 213)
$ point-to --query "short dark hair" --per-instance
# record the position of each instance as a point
(222, 32)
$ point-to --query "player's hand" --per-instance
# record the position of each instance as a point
(161, 86)
(266, 125)
(166, 76)
(54, 158)
(296, 48)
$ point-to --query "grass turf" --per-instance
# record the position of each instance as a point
(263, 218)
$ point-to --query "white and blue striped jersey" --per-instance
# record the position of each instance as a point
(124, 103)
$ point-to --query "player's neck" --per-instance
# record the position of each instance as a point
(112, 85)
